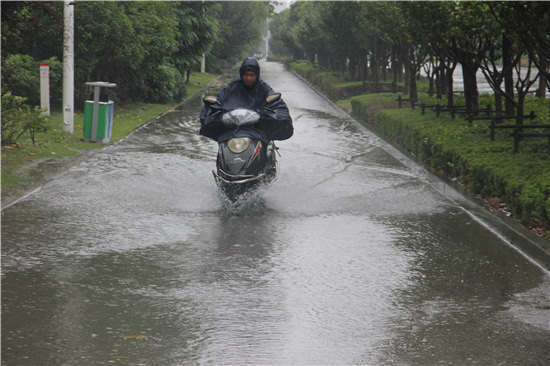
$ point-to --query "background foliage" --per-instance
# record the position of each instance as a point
(147, 48)
(378, 40)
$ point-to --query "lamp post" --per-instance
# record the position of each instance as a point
(203, 62)
(68, 68)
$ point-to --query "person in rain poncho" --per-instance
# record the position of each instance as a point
(248, 92)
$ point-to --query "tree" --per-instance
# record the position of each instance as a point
(32, 28)
(283, 28)
(198, 31)
(433, 20)
(529, 24)
(309, 30)
(242, 24)
(143, 47)
(341, 26)
(373, 41)
(395, 23)
(122, 42)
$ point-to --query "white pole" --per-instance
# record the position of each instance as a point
(45, 88)
(68, 68)
(267, 37)
(203, 62)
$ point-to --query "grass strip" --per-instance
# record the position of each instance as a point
(54, 144)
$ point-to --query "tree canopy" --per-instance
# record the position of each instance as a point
(146, 48)
(356, 36)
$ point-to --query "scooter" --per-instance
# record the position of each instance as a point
(244, 162)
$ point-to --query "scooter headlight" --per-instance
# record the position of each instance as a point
(238, 145)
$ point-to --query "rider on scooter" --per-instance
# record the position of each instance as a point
(248, 92)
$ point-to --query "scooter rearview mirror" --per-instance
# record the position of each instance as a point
(210, 100)
(273, 98)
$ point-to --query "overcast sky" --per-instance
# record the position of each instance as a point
(284, 4)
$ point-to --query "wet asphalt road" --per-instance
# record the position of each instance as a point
(352, 257)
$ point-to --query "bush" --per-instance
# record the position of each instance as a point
(166, 84)
(22, 76)
(287, 60)
(485, 167)
(365, 107)
(214, 65)
(17, 118)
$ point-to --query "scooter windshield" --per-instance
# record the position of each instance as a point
(240, 117)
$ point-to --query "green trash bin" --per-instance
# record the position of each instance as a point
(104, 126)
(98, 114)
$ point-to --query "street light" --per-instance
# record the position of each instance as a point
(68, 67)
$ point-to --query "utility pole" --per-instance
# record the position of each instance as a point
(266, 37)
(68, 68)
(203, 62)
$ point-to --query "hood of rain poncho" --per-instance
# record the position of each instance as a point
(272, 126)
(250, 64)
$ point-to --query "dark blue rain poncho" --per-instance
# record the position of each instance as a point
(275, 122)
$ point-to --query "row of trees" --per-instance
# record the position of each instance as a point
(147, 48)
(368, 38)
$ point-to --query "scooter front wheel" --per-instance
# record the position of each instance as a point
(234, 191)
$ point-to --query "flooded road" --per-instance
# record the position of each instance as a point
(351, 257)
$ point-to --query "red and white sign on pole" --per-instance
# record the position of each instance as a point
(45, 88)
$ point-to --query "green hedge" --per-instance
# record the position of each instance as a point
(365, 107)
(166, 84)
(485, 167)
(324, 80)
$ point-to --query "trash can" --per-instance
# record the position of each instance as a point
(98, 114)
(104, 126)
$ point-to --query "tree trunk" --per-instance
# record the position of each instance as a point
(374, 69)
(471, 93)
(394, 68)
(360, 67)
(541, 91)
(374, 62)
(498, 106)
(352, 68)
(187, 74)
(366, 68)
(521, 100)
(509, 76)
(385, 70)
(449, 84)
(407, 62)
(400, 69)
(439, 77)
(413, 90)
(431, 73)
